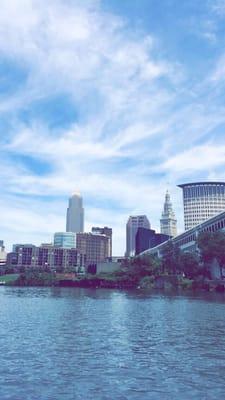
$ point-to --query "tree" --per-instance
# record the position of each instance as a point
(144, 266)
(211, 246)
(171, 258)
(189, 264)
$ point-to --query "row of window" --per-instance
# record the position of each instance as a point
(203, 190)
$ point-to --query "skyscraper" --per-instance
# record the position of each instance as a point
(3, 254)
(168, 222)
(202, 200)
(133, 223)
(148, 238)
(75, 214)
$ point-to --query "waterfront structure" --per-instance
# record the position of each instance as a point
(148, 238)
(187, 241)
(67, 240)
(104, 231)
(106, 267)
(202, 200)
(133, 223)
(96, 247)
(51, 257)
(75, 214)
(168, 222)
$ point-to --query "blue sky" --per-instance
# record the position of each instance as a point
(117, 99)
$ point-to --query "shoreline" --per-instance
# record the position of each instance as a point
(150, 283)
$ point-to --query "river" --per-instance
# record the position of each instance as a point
(71, 343)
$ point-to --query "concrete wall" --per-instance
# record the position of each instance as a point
(108, 267)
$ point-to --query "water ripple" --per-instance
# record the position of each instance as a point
(71, 344)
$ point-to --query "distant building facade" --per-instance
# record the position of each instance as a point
(133, 223)
(66, 240)
(3, 254)
(75, 214)
(168, 222)
(104, 231)
(96, 247)
(148, 238)
(30, 256)
(202, 200)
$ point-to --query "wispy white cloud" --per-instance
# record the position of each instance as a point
(218, 7)
(203, 157)
(137, 116)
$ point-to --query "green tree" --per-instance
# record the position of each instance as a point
(144, 266)
(211, 246)
(171, 258)
(189, 264)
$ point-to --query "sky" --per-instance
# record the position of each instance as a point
(118, 99)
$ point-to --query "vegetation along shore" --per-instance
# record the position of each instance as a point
(174, 270)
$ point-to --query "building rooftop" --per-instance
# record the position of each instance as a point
(76, 194)
(200, 183)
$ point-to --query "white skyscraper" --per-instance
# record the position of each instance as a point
(202, 200)
(75, 214)
(168, 222)
(133, 223)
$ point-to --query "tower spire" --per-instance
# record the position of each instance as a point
(168, 222)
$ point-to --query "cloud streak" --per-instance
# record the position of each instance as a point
(139, 120)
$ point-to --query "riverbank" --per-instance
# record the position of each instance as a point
(119, 280)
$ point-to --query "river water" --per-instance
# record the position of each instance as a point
(71, 343)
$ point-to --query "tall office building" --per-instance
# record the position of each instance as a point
(75, 214)
(3, 254)
(104, 231)
(66, 240)
(168, 222)
(96, 247)
(133, 223)
(148, 238)
(202, 200)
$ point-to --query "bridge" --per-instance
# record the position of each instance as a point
(187, 241)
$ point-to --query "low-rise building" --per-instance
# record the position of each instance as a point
(96, 247)
(104, 231)
(54, 258)
(107, 267)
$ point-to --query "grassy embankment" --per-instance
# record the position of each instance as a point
(8, 278)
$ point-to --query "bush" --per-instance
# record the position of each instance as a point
(147, 282)
(186, 283)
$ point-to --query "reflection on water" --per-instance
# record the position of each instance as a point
(73, 343)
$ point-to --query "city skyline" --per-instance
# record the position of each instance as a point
(153, 118)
